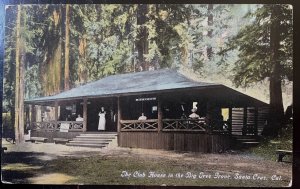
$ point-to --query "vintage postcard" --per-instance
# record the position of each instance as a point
(148, 94)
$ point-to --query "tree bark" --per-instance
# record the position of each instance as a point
(67, 49)
(276, 104)
(210, 21)
(21, 98)
(142, 37)
(19, 86)
(17, 83)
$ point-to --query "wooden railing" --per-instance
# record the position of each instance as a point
(139, 125)
(55, 125)
(170, 125)
(184, 125)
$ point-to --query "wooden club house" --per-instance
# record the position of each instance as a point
(166, 98)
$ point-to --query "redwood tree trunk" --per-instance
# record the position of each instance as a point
(210, 21)
(276, 104)
(19, 84)
(142, 42)
(67, 49)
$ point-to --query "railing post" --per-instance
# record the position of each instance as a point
(255, 121)
(244, 130)
(84, 114)
(159, 115)
(56, 114)
(33, 116)
(230, 121)
(119, 114)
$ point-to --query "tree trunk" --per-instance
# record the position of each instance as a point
(52, 67)
(142, 36)
(19, 86)
(276, 104)
(17, 83)
(210, 21)
(67, 49)
(21, 98)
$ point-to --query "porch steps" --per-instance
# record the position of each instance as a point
(94, 140)
(245, 141)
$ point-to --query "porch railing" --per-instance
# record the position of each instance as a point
(184, 125)
(171, 125)
(56, 125)
(139, 125)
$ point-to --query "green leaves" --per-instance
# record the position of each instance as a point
(255, 52)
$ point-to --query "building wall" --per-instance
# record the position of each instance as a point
(193, 142)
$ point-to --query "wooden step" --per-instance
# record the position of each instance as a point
(61, 140)
(89, 142)
(92, 139)
(37, 139)
(86, 145)
(100, 135)
(250, 143)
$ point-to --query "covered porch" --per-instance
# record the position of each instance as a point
(167, 106)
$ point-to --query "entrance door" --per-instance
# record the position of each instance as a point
(110, 108)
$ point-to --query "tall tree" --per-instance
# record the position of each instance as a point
(210, 21)
(142, 35)
(19, 83)
(265, 52)
(51, 68)
(67, 49)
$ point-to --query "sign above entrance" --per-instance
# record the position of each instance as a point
(145, 99)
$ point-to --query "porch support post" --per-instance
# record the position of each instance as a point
(33, 113)
(230, 120)
(56, 113)
(119, 114)
(159, 115)
(244, 129)
(255, 121)
(84, 114)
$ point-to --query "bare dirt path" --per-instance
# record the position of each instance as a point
(27, 158)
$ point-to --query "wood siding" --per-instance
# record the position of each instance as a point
(240, 119)
(193, 142)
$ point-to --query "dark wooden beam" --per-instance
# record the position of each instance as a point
(159, 115)
(255, 121)
(84, 114)
(119, 114)
(33, 113)
(230, 120)
(245, 121)
(56, 111)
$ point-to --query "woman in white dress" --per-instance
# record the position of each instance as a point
(102, 120)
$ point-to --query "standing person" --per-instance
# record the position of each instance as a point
(102, 120)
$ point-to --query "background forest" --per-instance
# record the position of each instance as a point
(53, 48)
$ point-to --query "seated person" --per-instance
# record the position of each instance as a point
(142, 117)
(69, 118)
(79, 118)
(193, 115)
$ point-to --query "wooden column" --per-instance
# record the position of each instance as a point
(159, 115)
(84, 114)
(56, 113)
(119, 114)
(33, 113)
(255, 121)
(244, 129)
(230, 120)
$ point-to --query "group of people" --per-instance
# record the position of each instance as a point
(193, 115)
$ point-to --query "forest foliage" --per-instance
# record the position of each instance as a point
(65, 46)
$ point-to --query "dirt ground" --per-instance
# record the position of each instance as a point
(24, 159)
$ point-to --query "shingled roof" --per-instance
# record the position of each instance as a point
(132, 83)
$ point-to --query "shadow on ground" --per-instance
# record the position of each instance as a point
(17, 167)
